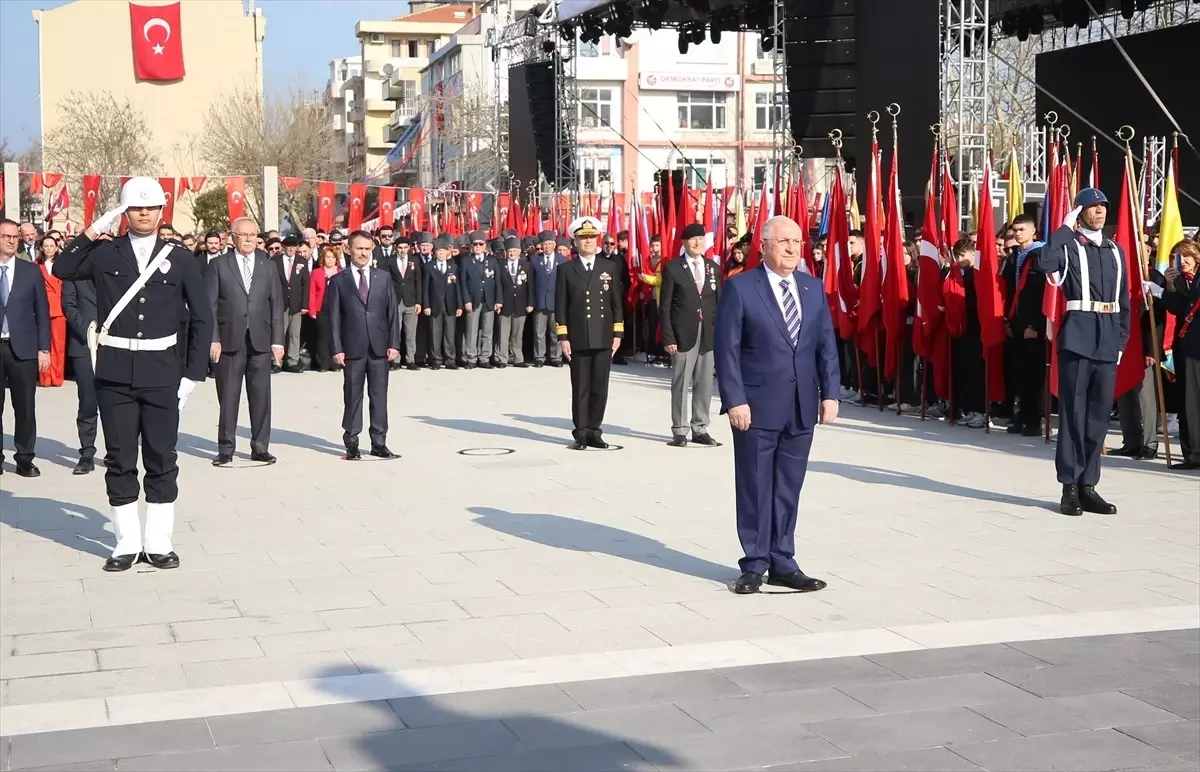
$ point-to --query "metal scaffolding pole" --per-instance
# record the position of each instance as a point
(781, 137)
(966, 70)
(566, 103)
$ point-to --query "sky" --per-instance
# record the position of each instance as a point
(302, 36)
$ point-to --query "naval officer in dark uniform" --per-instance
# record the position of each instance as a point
(589, 310)
(144, 372)
(1090, 338)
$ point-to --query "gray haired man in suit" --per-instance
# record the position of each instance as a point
(247, 300)
(24, 344)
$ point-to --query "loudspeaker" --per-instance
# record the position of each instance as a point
(539, 77)
(821, 75)
(660, 179)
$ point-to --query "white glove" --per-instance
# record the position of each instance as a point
(1072, 216)
(186, 387)
(104, 222)
(1150, 288)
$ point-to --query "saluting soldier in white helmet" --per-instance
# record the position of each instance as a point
(144, 371)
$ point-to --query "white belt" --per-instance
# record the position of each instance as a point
(138, 344)
(1094, 306)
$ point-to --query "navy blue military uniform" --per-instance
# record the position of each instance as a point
(1090, 339)
(137, 390)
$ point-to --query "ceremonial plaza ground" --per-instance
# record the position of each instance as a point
(495, 601)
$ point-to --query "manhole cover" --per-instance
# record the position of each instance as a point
(486, 452)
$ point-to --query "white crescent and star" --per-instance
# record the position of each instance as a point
(151, 24)
(356, 202)
(236, 196)
(324, 201)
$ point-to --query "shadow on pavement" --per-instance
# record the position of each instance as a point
(566, 426)
(872, 476)
(527, 729)
(567, 533)
(497, 430)
(201, 447)
(71, 525)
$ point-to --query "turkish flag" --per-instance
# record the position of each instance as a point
(416, 206)
(358, 194)
(325, 194)
(235, 197)
(91, 193)
(291, 183)
(168, 186)
(387, 207)
(157, 42)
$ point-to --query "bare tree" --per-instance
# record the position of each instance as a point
(293, 132)
(463, 134)
(97, 133)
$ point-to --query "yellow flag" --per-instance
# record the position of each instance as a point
(1170, 227)
(1016, 188)
(855, 217)
(739, 214)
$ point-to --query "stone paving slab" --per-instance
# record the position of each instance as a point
(314, 566)
(730, 719)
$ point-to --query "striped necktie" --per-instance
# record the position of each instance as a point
(791, 314)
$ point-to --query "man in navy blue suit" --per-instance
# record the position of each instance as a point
(778, 375)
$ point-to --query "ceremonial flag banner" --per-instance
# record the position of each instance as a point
(358, 194)
(895, 277)
(91, 194)
(387, 207)
(416, 208)
(839, 278)
(1170, 231)
(1132, 366)
(235, 197)
(168, 186)
(157, 42)
(1016, 188)
(871, 288)
(987, 279)
(325, 195)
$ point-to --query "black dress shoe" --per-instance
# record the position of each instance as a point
(469, 365)
(1070, 501)
(748, 583)
(1090, 501)
(596, 442)
(1147, 454)
(620, 361)
(1184, 466)
(484, 365)
(263, 458)
(276, 369)
(435, 366)
(295, 369)
(84, 465)
(538, 364)
(678, 441)
(28, 470)
(1124, 450)
(381, 451)
(796, 581)
(1015, 428)
(500, 365)
(522, 365)
(413, 367)
(556, 363)
(704, 439)
(223, 459)
(578, 445)
(1031, 430)
(352, 453)
(169, 560)
(451, 366)
(120, 563)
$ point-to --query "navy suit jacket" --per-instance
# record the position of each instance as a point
(756, 362)
(544, 280)
(27, 310)
(357, 328)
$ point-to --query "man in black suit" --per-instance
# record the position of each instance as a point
(590, 315)
(212, 250)
(409, 287)
(515, 279)
(293, 279)
(24, 344)
(365, 334)
(479, 293)
(689, 294)
(246, 296)
(79, 306)
(441, 304)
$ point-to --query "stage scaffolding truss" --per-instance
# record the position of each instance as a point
(965, 75)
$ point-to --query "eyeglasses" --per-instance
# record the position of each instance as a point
(245, 235)
(14, 237)
(787, 242)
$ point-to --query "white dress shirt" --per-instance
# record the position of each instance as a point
(361, 275)
(696, 266)
(777, 291)
(587, 263)
(143, 249)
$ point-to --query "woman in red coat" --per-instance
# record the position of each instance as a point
(323, 271)
(53, 375)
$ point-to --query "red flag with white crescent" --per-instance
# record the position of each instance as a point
(168, 186)
(325, 195)
(91, 194)
(416, 206)
(291, 183)
(62, 202)
(157, 42)
(387, 207)
(235, 197)
(1132, 366)
(358, 194)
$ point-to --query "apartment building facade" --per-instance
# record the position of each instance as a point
(339, 96)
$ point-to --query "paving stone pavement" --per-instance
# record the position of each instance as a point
(883, 712)
(929, 535)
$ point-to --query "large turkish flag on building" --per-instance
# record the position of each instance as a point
(157, 41)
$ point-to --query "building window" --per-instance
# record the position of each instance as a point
(697, 171)
(768, 110)
(595, 171)
(595, 107)
(759, 53)
(397, 49)
(413, 51)
(701, 110)
(759, 172)
(589, 49)
(430, 48)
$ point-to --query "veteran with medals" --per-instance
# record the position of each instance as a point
(589, 311)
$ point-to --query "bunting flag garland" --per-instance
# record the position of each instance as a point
(235, 197)
(291, 183)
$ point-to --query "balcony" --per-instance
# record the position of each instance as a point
(339, 123)
(404, 112)
(379, 141)
(380, 105)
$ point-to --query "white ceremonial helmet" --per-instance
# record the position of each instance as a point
(142, 191)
